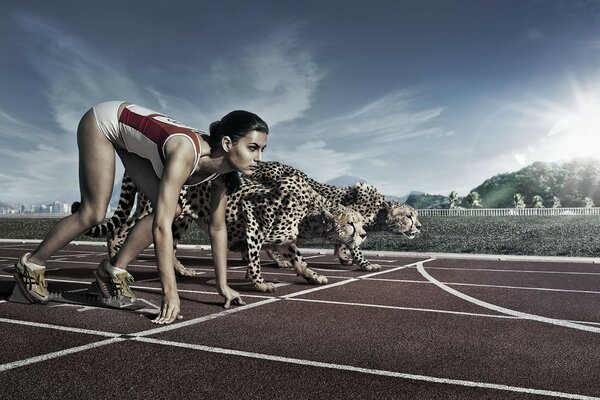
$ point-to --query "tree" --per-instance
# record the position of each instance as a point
(453, 199)
(518, 200)
(538, 202)
(556, 202)
(589, 202)
(473, 200)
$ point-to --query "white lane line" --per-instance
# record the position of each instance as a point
(371, 371)
(57, 354)
(179, 325)
(503, 310)
(52, 280)
(59, 327)
(516, 271)
(428, 310)
(381, 306)
(157, 289)
(149, 280)
(344, 282)
(490, 286)
(260, 303)
(195, 321)
(315, 256)
(526, 288)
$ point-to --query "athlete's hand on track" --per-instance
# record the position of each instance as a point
(231, 296)
(169, 310)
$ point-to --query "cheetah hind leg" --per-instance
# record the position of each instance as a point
(279, 260)
(292, 253)
(253, 273)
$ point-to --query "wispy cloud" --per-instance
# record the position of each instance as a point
(375, 142)
(44, 173)
(316, 159)
(277, 78)
(77, 74)
(391, 118)
(17, 132)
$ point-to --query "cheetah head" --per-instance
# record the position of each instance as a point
(403, 219)
(344, 225)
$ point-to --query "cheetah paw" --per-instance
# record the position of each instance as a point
(284, 264)
(345, 261)
(370, 267)
(316, 279)
(264, 287)
(183, 271)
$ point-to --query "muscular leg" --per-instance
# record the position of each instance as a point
(140, 237)
(96, 178)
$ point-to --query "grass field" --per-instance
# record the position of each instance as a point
(551, 236)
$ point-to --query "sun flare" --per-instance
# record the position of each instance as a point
(576, 126)
(571, 128)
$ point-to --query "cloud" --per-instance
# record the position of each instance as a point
(277, 78)
(316, 159)
(18, 133)
(391, 118)
(376, 141)
(44, 172)
(77, 74)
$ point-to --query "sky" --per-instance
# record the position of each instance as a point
(421, 95)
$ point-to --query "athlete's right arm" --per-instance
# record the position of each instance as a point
(178, 163)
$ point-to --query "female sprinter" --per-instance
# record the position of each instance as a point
(161, 156)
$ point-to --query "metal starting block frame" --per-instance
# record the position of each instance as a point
(90, 297)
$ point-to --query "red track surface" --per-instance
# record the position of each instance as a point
(387, 335)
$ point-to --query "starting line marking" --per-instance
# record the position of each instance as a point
(57, 354)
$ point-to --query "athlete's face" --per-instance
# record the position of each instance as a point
(246, 153)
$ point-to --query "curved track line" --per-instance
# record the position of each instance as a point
(503, 310)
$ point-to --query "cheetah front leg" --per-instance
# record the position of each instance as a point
(253, 270)
(251, 252)
(181, 269)
(341, 251)
(292, 253)
(359, 259)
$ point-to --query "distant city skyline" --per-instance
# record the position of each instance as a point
(426, 95)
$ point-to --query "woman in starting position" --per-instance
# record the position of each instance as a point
(161, 156)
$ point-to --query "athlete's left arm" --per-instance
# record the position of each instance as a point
(218, 239)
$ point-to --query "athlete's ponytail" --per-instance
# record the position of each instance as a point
(235, 125)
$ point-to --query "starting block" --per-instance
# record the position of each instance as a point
(90, 297)
(19, 294)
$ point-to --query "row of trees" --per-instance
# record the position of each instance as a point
(473, 200)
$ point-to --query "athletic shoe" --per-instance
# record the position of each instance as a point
(30, 277)
(114, 282)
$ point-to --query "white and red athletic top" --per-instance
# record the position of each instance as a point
(146, 132)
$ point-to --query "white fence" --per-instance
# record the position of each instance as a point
(499, 212)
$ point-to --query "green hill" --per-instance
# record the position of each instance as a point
(424, 200)
(570, 182)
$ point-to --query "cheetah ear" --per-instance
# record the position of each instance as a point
(327, 215)
(397, 211)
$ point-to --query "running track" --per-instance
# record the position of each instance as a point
(424, 327)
